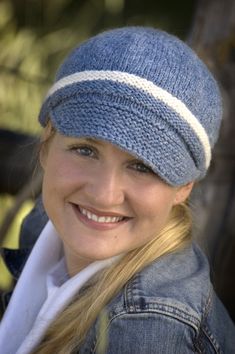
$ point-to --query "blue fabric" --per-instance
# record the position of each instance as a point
(170, 308)
(130, 117)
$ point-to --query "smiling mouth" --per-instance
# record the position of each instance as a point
(102, 219)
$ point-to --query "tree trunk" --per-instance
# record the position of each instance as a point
(213, 38)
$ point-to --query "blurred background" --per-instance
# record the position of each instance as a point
(35, 36)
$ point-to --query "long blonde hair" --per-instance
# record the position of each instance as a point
(69, 330)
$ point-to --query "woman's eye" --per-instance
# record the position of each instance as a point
(142, 168)
(85, 151)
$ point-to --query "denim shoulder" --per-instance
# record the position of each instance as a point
(169, 307)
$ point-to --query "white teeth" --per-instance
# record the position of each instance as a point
(101, 219)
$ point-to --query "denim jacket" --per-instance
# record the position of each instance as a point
(170, 307)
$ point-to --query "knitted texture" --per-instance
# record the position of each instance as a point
(145, 91)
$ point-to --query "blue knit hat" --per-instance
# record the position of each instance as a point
(146, 92)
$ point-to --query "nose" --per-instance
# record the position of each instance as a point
(105, 189)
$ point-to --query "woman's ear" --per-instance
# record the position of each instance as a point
(183, 193)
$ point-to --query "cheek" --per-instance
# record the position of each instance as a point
(62, 176)
(61, 180)
(154, 204)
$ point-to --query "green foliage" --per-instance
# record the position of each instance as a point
(11, 240)
(26, 62)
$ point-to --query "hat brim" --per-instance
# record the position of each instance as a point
(158, 145)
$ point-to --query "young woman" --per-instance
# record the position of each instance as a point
(128, 128)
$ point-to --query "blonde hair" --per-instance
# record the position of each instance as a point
(69, 330)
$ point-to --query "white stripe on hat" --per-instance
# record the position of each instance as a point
(140, 83)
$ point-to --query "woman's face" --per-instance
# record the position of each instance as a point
(102, 200)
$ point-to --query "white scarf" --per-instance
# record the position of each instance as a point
(31, 309)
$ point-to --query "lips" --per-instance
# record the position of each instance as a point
(98, 219)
